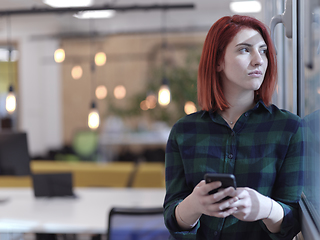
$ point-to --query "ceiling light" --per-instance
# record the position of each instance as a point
(68, 3)
(95, 14)
(119, 92)
(76, 72)
(93, 117)
(190, 107)
(164, 94)
(101, 92)
(143, 105)
(59, 55)
(11, 102)
(100, 58)
(245, 6)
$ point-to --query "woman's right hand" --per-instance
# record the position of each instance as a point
(213, 204)
(200, 202)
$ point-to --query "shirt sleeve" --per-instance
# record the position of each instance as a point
(288, 187)
(176, 188)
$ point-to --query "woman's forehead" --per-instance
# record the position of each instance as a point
(248, 36)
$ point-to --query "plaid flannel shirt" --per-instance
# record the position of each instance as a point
(264, 151)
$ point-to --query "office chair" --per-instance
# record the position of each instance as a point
(136, 224)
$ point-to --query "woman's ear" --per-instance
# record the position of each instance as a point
(219, 68)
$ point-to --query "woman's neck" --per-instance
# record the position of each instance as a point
(238, 106)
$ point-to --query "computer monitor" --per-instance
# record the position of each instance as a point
(14, 154)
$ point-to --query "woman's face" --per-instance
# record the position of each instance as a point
(245, 61)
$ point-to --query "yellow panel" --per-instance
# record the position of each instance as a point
(89, 174)
(149, 175)
(15, 181)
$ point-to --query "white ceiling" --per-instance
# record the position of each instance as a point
(205, 13)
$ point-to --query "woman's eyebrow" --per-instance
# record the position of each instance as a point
(245, 44)
(250, 45)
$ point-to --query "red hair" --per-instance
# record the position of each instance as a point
(210, 94)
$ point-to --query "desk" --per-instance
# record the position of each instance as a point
(87, 214)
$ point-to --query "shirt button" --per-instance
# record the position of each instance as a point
(215, 233)
(246, 114)
(230, 155)
(232, 134)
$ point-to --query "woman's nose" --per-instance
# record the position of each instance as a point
(257, 59)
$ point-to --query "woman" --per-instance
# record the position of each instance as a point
(237, 131)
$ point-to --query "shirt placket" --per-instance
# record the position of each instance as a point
(230, 152)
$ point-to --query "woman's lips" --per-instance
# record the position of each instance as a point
(255, 74)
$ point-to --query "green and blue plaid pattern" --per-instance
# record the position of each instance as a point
(264, 151)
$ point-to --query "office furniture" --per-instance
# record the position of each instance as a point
(89, 174)
(15, 181)
(86, 214)
(149, 175)
(93, 174)
(136, 224)
(14, 156)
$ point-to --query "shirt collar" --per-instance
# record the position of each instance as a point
(259, 104)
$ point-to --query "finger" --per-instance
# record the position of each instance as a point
(241, 193)
(229, 203)
(226, 213)
(220, 195)
(230, 191)
(201, 188)
(201, 183)
(211, 186)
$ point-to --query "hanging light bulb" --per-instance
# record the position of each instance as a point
(164, 95)
(190, 107)
(100, 58)
(59, 55)
(93, 117)
(119, 92)
(76, 72)
(11, 102)
(101, 92)
(151, 100)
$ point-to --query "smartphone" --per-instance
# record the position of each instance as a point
(226, 179)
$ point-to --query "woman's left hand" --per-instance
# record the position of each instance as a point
(251, 205)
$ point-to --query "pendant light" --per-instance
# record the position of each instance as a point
(11, 102)
(100, 58)
(76, 72)
(93, 116)
(164, 94)
(59, 55)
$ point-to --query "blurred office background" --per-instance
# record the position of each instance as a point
(112, 68)
(139, 49)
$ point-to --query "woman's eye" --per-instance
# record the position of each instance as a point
(243, 50)
(263, 51)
